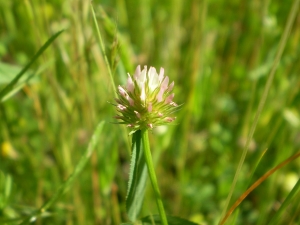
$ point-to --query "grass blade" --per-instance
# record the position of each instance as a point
(10, 86)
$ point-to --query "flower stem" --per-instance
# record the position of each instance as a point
(152, 176)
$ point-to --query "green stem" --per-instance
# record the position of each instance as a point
(152, 176)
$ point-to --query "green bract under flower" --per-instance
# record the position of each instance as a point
(146, 101)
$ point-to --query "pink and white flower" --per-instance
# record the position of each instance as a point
(146, 101)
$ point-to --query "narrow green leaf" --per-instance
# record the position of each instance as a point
(11, 85)
(172, 220)
(5, 189)
(9, 71)
(137, 178)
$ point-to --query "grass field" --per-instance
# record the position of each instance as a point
(220, 54)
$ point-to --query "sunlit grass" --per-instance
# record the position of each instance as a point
(219, 53)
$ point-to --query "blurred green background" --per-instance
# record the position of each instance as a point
(219, 54)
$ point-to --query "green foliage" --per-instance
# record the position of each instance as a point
(219, 53)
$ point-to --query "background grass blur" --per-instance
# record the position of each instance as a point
(218, 53)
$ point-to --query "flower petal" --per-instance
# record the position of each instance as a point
(170, 119)
(143, 94)
(121, 107)
(153, 81)
(130, 84)
(122, 91)
(150, 107)
(137, 72)
(161, 74)
(169, 98)
(163, 87)
(165, 83)
(131, 102)
(170, 88)
(160, 94)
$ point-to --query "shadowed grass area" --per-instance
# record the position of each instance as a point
(219, 53)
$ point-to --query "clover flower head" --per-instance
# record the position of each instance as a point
(146, 101)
